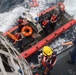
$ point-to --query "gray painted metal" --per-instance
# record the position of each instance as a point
(14, 60)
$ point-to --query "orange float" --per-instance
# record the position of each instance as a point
(12, 36)
(27, 30)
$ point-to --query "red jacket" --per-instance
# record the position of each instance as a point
(45, 22)
(52, 59)
(20, 21)
(53, 18)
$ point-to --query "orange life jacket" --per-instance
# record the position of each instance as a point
(18, 36)
(53, 58)
(53, 18)
(45, 22)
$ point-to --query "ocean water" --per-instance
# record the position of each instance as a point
(68, 35)
(7, 5)
(10, 10)
(70, 6)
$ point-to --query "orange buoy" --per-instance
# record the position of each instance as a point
(12, 36)
(27, 30)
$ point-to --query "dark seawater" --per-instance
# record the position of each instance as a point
(6, 5)
(68, 35)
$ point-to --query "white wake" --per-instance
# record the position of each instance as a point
(9, 19)
(70, 6)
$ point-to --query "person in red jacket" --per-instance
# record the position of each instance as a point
(61, 8)
(50, 24)
(53, 21)
(48, 59)
(21, 23)
(46, 26)
(19, 41)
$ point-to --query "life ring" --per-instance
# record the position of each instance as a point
(27, 30)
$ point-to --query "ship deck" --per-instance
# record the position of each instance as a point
(60, 68)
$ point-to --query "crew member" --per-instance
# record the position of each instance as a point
(21, 23)
(46, 26)
(73, 52)
(61, 8)
(53, 21)
(48, 59)
(19, 41)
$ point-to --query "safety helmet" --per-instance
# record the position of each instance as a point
(47, 51)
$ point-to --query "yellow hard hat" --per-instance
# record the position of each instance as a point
(47, 50)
